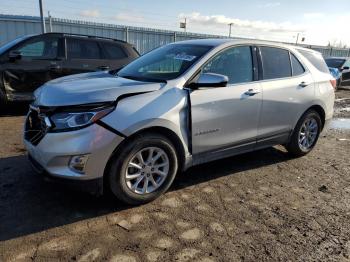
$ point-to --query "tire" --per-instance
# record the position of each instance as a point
(120, 168)
(338, 85)
(3, 98)
(300, 149)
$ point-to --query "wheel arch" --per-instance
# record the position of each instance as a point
(166, 132)
(319, 109)
(172, 136)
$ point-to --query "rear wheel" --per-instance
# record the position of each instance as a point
(143, 169)
(305, 134)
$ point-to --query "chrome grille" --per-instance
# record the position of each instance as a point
(35, 126)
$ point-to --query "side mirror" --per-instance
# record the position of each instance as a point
(15, 55)
(346, 68)
(210, 80)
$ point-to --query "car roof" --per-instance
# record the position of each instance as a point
(339, 57)
(84, 36)
(215, 42)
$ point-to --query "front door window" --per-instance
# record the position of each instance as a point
(235, 63)
(40, 48)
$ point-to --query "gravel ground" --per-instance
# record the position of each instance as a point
(258, 206)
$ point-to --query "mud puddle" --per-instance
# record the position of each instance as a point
(340, 123)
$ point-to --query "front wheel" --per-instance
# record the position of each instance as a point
(143, 169)
(3, 98)
(305, 134)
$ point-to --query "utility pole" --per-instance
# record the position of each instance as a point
(230, 26)
(43, 29)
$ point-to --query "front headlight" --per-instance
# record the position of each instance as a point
(65, 121)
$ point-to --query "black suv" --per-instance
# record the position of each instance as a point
(29, 61)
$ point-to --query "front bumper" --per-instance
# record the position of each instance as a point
(92, 186)
(54, 152)
(24, 96)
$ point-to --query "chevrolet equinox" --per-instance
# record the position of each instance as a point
(180, 105)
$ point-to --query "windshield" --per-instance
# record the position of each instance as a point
(10, 44)
(164, 63)
(337, 63)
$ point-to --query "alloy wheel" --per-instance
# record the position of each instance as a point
(147, 170)
(308, 134)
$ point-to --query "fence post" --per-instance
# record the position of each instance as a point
(175, 37)
(348, 53)
(127, 34)
(331, 51)
(50, 22)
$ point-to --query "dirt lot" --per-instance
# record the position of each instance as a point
(258, 206)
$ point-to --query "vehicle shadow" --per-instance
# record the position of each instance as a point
(15, 109)
(28, 204)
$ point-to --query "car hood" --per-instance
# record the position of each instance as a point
(89, 88)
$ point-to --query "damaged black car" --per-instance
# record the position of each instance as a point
(28, 62)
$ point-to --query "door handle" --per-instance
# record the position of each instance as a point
(103, 67)
(303, 84)
(251, 92)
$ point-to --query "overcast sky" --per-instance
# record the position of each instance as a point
(319, 21)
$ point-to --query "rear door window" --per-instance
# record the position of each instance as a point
(276, 63)
(316, 60)
(83, 49)
(113, 51)
(297, 68)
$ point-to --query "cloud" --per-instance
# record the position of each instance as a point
(313, 15)
(127, 17)
(90, 13)
(269, 5)
(321, 30)
(221, 20)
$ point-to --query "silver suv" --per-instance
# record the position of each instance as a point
(180, 105)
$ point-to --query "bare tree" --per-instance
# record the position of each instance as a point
(337, 43)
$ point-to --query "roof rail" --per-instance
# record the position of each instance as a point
(88, 36)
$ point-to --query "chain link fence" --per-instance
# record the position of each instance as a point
(144, 39)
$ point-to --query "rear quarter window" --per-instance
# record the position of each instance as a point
(316, 60)
(113, 51)
(297, 67)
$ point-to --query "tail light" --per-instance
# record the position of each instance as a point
(333, 83)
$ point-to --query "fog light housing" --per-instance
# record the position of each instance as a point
(77, 163)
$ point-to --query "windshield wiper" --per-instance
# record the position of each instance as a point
(143, 79)
(115, 71)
